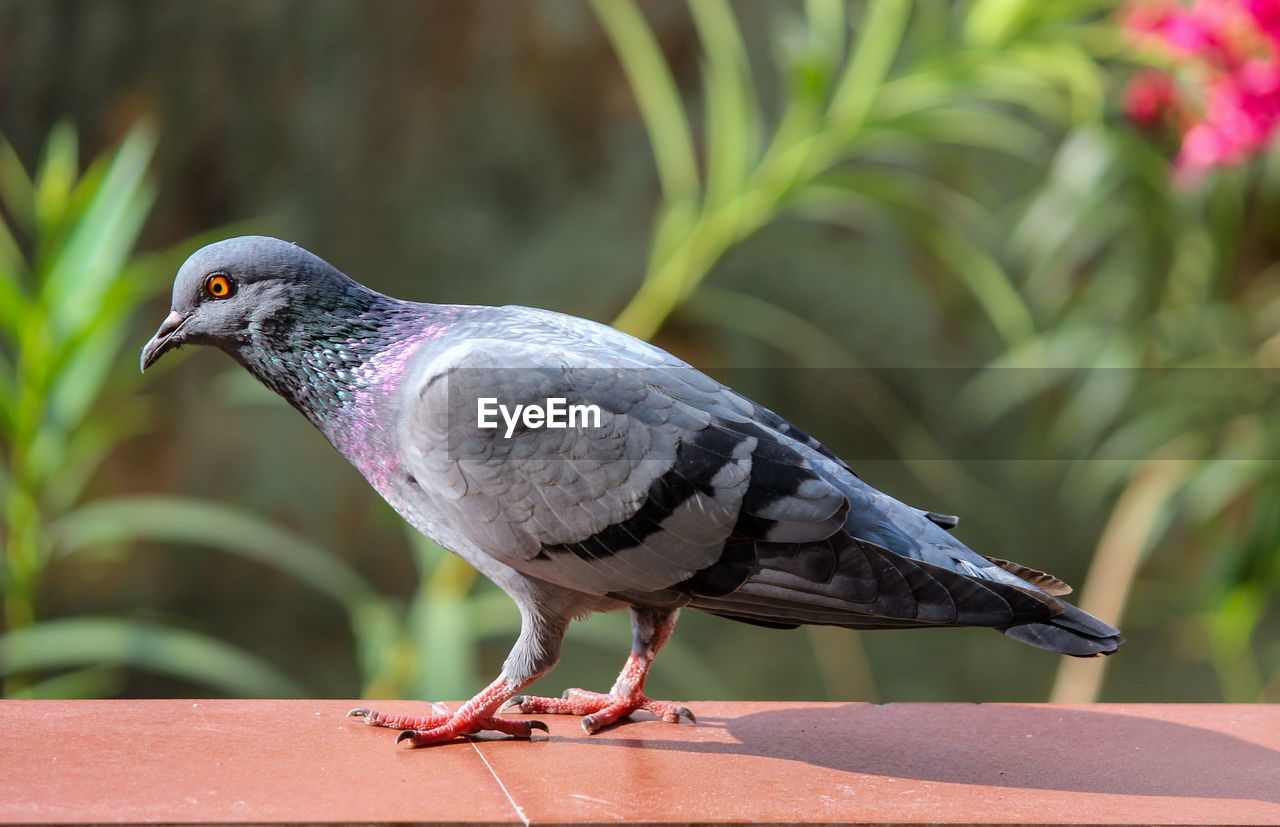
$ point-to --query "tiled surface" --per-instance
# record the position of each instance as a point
(265, 761)
(226, 761)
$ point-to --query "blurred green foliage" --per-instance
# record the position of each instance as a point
(876, 192)
(70, 284)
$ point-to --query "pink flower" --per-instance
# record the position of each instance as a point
(1149, 97)
(1241, 118)
(1228, 56)
(1266, 16)
(1202, 30)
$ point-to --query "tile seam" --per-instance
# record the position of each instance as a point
(524, 819)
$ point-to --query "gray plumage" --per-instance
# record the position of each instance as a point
(687, 494)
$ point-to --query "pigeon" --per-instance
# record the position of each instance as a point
(667, 490)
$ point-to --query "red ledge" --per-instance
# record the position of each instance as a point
(183, 761)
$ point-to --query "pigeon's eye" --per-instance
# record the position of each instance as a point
(219, 286)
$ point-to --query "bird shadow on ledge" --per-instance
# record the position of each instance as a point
(1026, 747)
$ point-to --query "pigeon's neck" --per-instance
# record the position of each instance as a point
(322, 358)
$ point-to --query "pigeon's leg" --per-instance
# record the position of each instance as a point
(535, 652)
(650, 630)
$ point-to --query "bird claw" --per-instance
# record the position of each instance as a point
(600, 709)
(440, 716)
(684, 712)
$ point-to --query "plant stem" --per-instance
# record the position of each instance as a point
(807, 143)
(1115, 567)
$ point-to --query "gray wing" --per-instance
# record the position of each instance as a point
(687, 493)
(637, 503)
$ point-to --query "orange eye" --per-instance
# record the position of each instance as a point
(218, 286)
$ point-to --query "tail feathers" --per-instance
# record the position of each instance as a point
(1044, 582)
(850, 582)
(1072, 632)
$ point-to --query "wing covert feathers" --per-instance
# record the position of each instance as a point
(688, 494)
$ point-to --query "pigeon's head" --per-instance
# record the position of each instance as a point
(229, 292)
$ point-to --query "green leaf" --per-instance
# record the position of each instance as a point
(85, 361)
(811, 346)
(828, 32)
(214, 525)
(80, 641)
(960, 125)
(1077, 185)
(880, 34)
(439, 622)
(991, 394)
(1068, 66)
(1095, 401)
(15, 304)
(993, 22)
(987, 281)
(656, 94)
(86, 447)
(976, 268)
(733, 117)
(98, 681)
(916, 198)
(967, 76)
(98, 244)
(56, 176)
(17, 191)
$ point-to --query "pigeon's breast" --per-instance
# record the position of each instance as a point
(366, 430)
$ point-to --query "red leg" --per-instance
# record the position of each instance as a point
(475, 715)
(534, 653)
(651, 628)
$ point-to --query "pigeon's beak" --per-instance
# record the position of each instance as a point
(166, 339)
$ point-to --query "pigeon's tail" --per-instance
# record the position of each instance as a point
(848, 582)
(1071, 632)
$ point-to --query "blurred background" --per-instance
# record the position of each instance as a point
(1015, 260)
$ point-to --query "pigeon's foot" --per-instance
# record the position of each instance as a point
(421, 730)
(475, 715)
(600, 709)
(651, 628)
